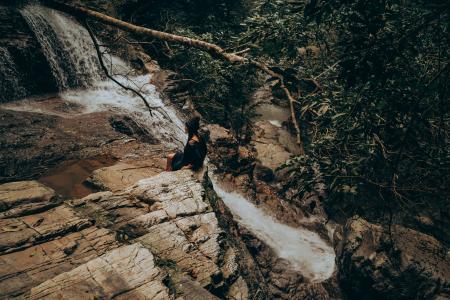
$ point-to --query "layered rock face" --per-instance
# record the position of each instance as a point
(157, 239)
(168, 214)
(405, 264)
(128, 272)
(38, 244)
(38, 135)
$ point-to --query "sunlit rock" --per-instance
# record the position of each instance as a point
(128, 272)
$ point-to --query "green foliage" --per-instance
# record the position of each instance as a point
(379, 129)
(219, 91)
(376, 133)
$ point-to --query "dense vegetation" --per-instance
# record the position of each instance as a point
(379, 128)
(375, 133)
(220, 91)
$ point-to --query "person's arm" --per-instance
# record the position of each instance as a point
(196, 157)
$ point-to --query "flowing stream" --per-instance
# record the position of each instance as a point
(72, 58)
(71, 55)
(306, 251)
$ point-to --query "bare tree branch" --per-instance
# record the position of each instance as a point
(105, 69)
(213, 49)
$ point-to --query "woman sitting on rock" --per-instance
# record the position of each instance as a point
(194, 152)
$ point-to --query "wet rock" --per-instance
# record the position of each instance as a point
(34, 144)
(15, 194)
(405, 265)
(263, 173)
(128, 272)
(129, 127)
(67, 179)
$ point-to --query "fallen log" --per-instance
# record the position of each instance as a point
(213, 49)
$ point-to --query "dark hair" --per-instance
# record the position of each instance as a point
(193, 125)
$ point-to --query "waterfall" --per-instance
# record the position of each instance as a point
(10, 86)
(71, 55)
(66, 46)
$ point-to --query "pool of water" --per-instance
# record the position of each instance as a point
(67, 179)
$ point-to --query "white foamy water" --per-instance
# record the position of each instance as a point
(66, 45)
(106, 95)
(71, 55)
(304, 249)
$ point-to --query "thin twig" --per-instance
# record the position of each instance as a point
(328, 69)
(215, 50)
(105, 70)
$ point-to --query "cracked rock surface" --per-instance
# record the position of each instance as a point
(169, 215)
(158, 238)
(128, 272)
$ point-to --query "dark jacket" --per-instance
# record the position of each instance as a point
(194, 154)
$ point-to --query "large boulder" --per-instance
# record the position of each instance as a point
(401, 264)
(170, 214)
(122, 175)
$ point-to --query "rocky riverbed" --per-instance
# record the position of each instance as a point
(88, 212)
(108, 200)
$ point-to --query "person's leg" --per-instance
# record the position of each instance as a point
(169, 161)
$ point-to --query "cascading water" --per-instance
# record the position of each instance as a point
(74, 64)
(106, 95)
(304, 249)
(65, 45)
(10, 86)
